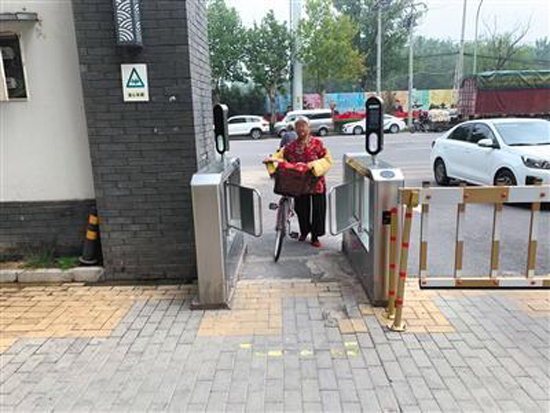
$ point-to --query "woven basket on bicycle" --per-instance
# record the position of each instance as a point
(294, 180)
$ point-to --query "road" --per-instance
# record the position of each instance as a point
(410, 152)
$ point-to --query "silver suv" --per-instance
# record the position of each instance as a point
(320, 121)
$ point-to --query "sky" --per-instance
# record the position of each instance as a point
(444, 17)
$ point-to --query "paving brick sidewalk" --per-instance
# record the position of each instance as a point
(290, 345)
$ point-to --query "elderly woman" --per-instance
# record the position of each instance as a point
(311, 209)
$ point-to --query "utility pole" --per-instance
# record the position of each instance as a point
(460, 61)
(411, 45)
(297, 80)
(474, 71)
(379, 51)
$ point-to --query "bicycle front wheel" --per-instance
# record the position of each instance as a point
(278, 244)
(280, 228)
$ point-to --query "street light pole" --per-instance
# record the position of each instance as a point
(379, 51)
(460, 62)
(297, 84)
(475, 41)
(411, 38)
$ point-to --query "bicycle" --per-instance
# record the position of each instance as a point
(285, 212)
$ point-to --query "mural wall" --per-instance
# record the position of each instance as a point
(351, 102)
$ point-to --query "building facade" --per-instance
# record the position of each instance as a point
(73, 141)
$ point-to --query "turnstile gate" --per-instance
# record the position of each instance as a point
(222, 211)
(360, 209)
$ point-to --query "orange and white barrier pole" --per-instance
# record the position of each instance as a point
(390, 311)
(411, 201)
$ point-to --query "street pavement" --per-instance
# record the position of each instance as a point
(300, 335)
(285, 345)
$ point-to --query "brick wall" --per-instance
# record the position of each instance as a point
(35, 227)
(144, 154)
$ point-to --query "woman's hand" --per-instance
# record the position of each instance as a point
(269, 159)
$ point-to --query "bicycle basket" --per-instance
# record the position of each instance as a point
(294, 180)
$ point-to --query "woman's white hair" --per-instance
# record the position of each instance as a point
(301, 119)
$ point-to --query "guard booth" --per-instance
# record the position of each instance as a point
(361, 208)
(222, 211)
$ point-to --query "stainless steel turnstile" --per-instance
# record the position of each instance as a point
(360, 209)
(222, 211)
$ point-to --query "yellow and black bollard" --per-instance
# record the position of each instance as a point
(411, 201)
(91, 252)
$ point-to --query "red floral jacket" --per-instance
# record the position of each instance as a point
(313, 151)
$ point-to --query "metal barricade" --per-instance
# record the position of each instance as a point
(496, 195)
(460, 197)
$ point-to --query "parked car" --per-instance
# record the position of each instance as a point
(509, 150)
(254, 126)
(391, 124)
(320, 121)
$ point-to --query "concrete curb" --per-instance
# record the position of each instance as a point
(51, 275)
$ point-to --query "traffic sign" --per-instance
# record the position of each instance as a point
(135, 84)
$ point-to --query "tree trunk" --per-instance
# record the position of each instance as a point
(322, 93)
(217, 94)
(272, 109)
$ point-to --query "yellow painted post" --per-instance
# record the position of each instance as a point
(424, 226)
(411, 201)
(533, 236)
(459, 243)
(390, 311)
(495, 238)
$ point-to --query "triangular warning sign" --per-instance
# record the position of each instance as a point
(134, 80)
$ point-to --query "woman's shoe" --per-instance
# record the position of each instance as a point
(315, 242)
(302, 238)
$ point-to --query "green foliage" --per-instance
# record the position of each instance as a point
(243, 100)
(396, 17)
(267, 56)
(327, 48)
(542, 49)
(47, 259)
(225, 38)
(42, 259)
(66, 263)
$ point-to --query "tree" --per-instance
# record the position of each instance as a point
(225, 37)
(267, 57)
(326, 46)
(503, 47)
(243, 99)
(542, 49)
(396, 15)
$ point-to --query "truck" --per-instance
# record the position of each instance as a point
(505, 93)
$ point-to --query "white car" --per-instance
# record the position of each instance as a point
(391, 124)
(251, 125)
(484, 152)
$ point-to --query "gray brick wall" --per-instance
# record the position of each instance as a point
(144, 154)
(34, 227)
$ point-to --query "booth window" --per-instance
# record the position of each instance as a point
(12, 73)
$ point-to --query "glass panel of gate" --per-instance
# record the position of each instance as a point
(366, 212)
(248, 219)
(242, 204)
(233, 205)
(346, 212)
